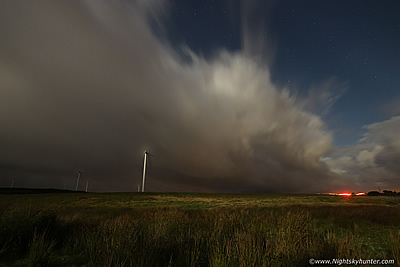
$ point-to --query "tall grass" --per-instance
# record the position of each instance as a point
(175, 237)
(40, 249)
(395, 245)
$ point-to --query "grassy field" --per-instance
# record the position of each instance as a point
(174, 229)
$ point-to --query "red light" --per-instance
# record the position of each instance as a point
(360, 194)
(345, 194)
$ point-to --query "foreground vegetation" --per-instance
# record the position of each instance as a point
(194, 229)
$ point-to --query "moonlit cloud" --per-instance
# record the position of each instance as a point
(89, 86)
(374, 161)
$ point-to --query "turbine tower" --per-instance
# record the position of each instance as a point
(144, 170)
(77, 181)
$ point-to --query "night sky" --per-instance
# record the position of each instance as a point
(228, 96)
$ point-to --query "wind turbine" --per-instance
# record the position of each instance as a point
(144, 170)
(77, 181)
(146, 154)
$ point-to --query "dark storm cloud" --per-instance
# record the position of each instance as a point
(86, 85)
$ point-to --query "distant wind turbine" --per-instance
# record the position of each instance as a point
(144, 170)
(77, 181)
(87, 185)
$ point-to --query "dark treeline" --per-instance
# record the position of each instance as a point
(383, 193)
(35, 191)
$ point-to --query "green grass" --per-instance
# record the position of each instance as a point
(191, 200)
(172, 229)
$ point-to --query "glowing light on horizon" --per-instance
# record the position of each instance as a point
(346, 194)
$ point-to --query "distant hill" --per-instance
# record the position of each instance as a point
(35, 191)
